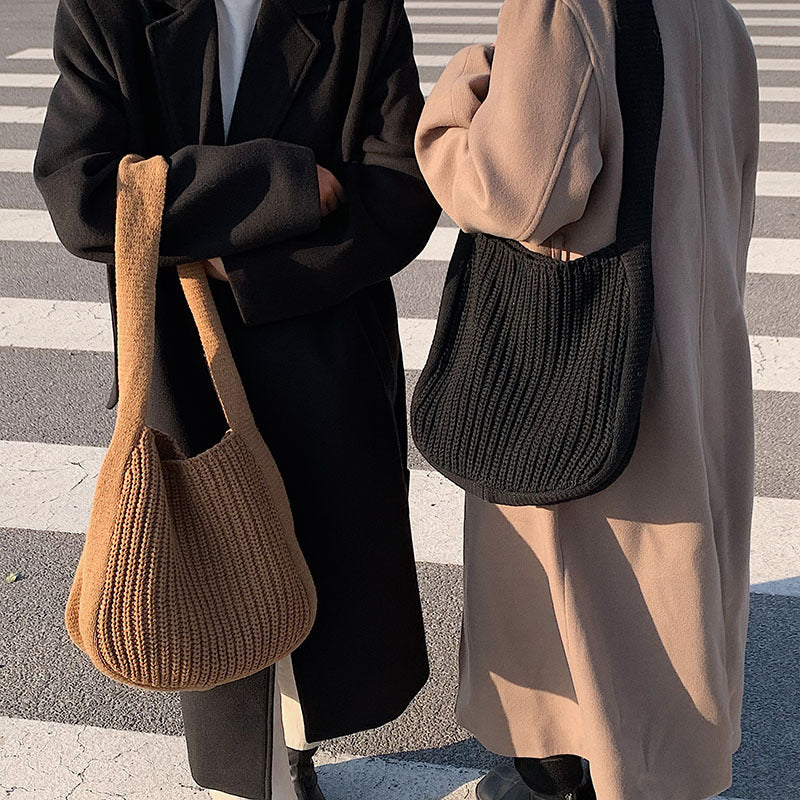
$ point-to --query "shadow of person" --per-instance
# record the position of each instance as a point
(785, 587)
(388, 779)
(582, 635)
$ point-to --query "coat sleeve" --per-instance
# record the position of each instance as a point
(219, 199)
(386, 221)
(510, 138)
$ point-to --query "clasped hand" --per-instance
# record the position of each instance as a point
(331, 196)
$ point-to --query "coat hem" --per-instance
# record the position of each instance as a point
(559, 745)
(371, 721)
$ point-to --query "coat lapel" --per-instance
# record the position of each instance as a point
(183, 48)
(281, 53)
(184, 51)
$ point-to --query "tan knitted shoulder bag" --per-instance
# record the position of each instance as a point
(191, 575)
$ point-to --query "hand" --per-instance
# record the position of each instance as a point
(215, 269)
(331, 192)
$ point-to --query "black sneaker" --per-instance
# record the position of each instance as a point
(505, 783)
(304, 776)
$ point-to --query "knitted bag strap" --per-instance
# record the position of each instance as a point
(224, 373)
(141, 189)
(640, 88)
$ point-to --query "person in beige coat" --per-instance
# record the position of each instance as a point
(612, 628)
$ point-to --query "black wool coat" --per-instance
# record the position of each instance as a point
(309, 309)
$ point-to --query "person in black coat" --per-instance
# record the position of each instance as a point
(303, 211)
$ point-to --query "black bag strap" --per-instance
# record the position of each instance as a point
(640, 86)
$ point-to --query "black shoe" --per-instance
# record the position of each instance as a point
(304, 776)
(505, 783)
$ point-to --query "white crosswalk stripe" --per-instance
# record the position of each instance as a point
(767, 6)
(53, 760)
(74, 325)
(21, 80)
(440, 245)
(770, 184)
(776, 256)
(494, 5)
(768, 94)
(55, 324)
(776, 41)
(778, 184)
(28, 115)
(779, 64)
(774, 64)
(35, 114)
(33, 53)
(16, 160)
(451, 5)
(26, 225)
(491, 19)
(775, 359)
(780, 94)
(10, 113)
(438, 508)
(428, 60)
(780, 132)
(776, 363)
(772, 22)
(432, 19)
(40, 53)
(49, 487)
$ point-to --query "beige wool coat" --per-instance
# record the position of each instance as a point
(614, 626)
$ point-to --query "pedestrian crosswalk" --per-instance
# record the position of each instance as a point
(143, 766)
(48, 487)
(770, 184)
(80, 326)
(58, 325)
(25, 114)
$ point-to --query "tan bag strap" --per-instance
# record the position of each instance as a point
(141, 189)
(227, 382)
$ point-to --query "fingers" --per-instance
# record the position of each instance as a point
(331, 192)
(329, 204)
(338, 190)
(322, 180)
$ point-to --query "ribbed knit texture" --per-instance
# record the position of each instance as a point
(191, 575)
(200, 587)
(533, 387)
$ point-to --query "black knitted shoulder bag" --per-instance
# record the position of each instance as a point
(533, 388)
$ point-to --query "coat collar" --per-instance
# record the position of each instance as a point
(300, 7)
(184, 51)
